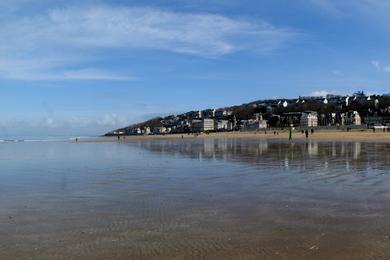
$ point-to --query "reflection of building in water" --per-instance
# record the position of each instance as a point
(334, 153)
(342, 149)
(286, 163)
(209, 148)
(262, 148)
(357, 150)
(312, 148)
(278, 154)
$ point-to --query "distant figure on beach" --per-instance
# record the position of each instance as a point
(373, 130)
(303, 132)
(182, 136)
(77, 139)
(312, 131)
(119, 137)
(307, 133)
(274, 132)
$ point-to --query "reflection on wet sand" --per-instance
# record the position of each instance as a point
(360, 156)
(196, 199)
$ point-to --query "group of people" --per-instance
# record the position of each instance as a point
(306, 132)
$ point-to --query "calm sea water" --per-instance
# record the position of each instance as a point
(195, 199)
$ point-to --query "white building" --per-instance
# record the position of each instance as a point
(252, 125)
(203, 125)
(353, 118)
(309, 119)
(137, 131)
(223, 125)
(146, 130)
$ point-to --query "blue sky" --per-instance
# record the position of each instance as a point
(85, 67)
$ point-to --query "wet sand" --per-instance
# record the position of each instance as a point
(207, 198)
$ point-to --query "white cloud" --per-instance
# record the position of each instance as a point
(48, 41)
(323, 93)
(113, 27)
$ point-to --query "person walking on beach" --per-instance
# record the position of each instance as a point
(307, 133)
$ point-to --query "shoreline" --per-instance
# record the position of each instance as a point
(363, 135)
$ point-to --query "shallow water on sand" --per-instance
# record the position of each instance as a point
(195, 199)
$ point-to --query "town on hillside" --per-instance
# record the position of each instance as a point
(333, 111)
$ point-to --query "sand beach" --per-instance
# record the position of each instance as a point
(361, 135)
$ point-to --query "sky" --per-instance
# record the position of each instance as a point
(82, 68)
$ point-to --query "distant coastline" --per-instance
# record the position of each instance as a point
(333, 111)
(361, 135)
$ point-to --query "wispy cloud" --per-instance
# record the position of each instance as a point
(93, 74)
(54, 36)
(376, 64)
(327, 6)
(379, 67)
(386, 69)
(47, 69)
(373, 9)
(198, 34)
(324, 93)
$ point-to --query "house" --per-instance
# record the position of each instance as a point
(208, 113)
(159, 130)
(203, 125)
(309, 119)
(221, 113)
(136, 131)
(373, 120)
(146, 130)
(223, 125)
(253, 125)
(194, 114)
(290, 118)
(352, 118)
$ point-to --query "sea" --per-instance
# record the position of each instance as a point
(221, 198)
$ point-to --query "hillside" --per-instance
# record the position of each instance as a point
(272, 109)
